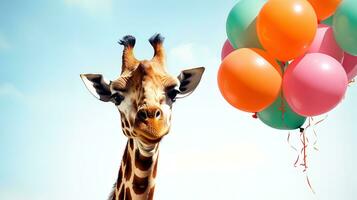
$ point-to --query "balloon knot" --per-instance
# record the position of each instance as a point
(255, 115)
(302, 130)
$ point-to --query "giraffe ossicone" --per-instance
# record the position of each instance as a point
(143, 93)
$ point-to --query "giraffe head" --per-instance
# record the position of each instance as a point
(144, 92)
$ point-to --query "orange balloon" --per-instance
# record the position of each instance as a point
(324, 8)
(286, 28)
(249, 79)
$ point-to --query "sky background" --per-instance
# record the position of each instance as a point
(58, 142)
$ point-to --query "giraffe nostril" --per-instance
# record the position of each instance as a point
(142, 115)
(157, 113)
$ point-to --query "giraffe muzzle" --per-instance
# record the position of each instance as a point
(150, 123)
(153, 113)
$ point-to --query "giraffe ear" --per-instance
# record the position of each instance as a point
(97, 86)
(189, 80)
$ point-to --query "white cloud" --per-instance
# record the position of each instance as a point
(7, 89)
(183, 52)
(191, 55)
(91, 6)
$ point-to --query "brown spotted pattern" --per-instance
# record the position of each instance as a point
(151, 193)
(136, 175)
(140, 184)
(128, 168)
(128, 194)
(142, 162)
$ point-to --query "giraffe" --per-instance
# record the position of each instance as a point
(143, 94)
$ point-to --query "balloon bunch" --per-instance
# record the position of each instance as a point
(286, 60)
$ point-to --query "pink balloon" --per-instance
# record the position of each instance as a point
(324, 42)
(349, 63)
(314, 84)
(227, 49)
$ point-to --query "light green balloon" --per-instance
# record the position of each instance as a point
(345, 26)
(274, 116)
(328, 21)
(241, 24)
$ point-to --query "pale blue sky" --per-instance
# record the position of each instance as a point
(58, 142)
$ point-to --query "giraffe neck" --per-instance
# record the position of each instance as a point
(136, 178)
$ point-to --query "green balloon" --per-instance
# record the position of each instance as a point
(345, 26)
(274, 116)
(328, 21)
(241, 24)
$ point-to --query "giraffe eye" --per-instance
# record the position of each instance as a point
(117, 99)
(172, 94)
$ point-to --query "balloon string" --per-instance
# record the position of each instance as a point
(282, 109)
(314, 144)
(304, 163)
(302, 154)
(305, 140)
(282, 105)
(291, 146)
(321, 120)
(309, 183)
(303, 150)
(311, 119)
